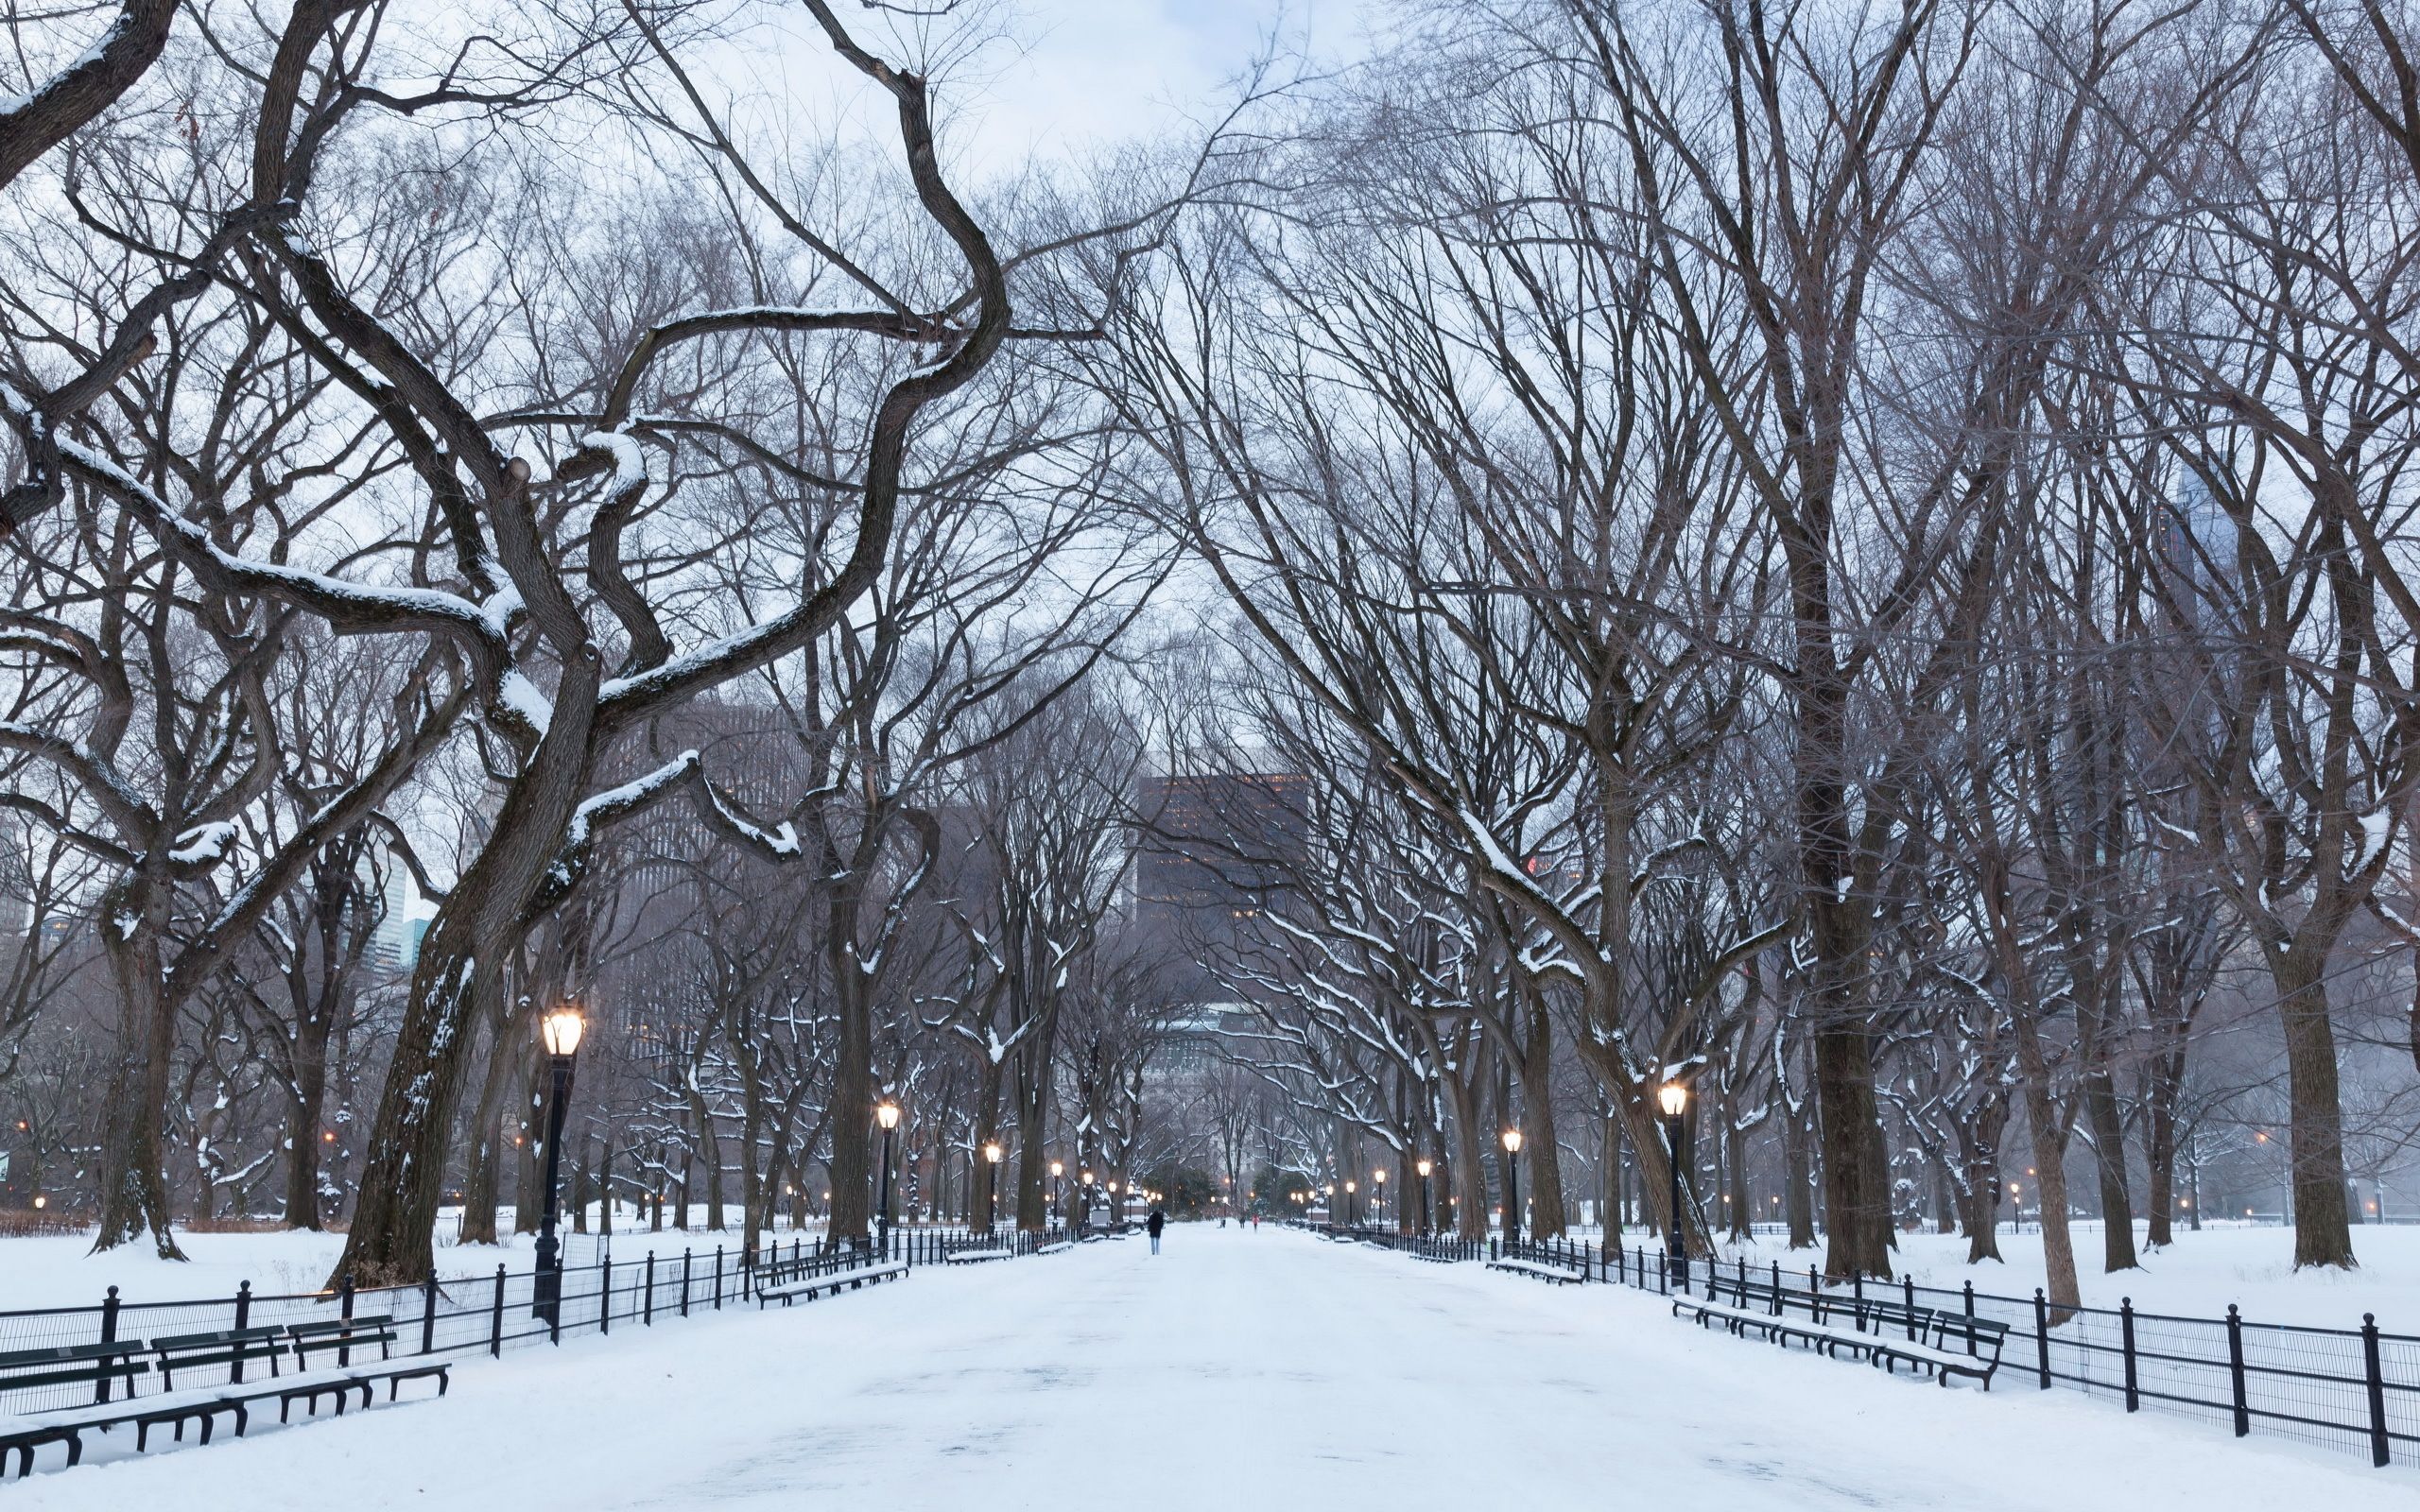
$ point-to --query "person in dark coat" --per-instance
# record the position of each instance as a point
(1156, 1221)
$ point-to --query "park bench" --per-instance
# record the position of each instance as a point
(823, 1275)
(225, 1354)
(342, 1336)
(1982, 1339)
(236, 1350)
(1537, 1270)
(99, 1366)
(1891, 1333)
(976, 1256)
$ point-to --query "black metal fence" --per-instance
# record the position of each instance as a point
(476, 1314)
(2340, 1388)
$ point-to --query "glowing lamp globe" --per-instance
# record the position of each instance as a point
(562, 1030)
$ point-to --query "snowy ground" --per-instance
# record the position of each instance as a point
(1236, 1366)
(58, 1270)
(2197, 1277)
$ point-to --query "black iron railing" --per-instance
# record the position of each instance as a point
(2354, 1389)
(482, 1314)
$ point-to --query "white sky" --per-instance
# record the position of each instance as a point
(1099, 71)
(1067, 76)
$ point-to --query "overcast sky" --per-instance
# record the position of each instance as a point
(1104, 70)
(1072, 75)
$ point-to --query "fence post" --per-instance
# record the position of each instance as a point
(2126, 1337)
(647, 1308)
(718, 1277)
(1664, 1273)
(1908, 1285)
(684, 1283)
(1857, 1291)
(243, 1321)
(2235, 1371)
(1776, 1288)
(2380, 1450)
(496, 1318)
(428, 1312)
(2042, 1335)
(109, 1335)
(605, 1293)
(1970, 1317)
(344, 1310)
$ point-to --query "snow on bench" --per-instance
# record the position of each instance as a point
(1929, 1350)
(1561, 1275)
(974, 1257)
(834, 1281)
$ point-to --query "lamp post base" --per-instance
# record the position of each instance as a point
(546, 1286)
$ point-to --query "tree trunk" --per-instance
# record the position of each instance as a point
(1611, 1183)
(1979, 1142)
(1857, 1199)
(853, 1088)
(1798, 1157)
(1741, 1212)
(2323, 1219)
(133, 1180)
(1542, 1193)
(2050, 1177)
(484, 1152)
(307, 1114)
(2109, 1159)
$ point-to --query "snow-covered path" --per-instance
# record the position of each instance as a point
(1234, 1368)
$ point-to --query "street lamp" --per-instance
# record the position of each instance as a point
(561, 1031)
(1425, 1166)
(1378, 1194)
(1349, 1189)
(887, 1114)
(1673, 1097)
(1511, 1187)
(991, 1186)
(1058, 1188)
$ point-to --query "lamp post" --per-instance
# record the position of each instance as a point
(1058, 1189)
(1086, 1178)
(887, 1114)
(1673, 1097)
(1511, 1187)
(560, 1030)
(1425, 1166)
(1378, 1193)
(1349, 1189)
(991, 1153)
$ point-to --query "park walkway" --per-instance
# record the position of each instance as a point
(1237, 1370)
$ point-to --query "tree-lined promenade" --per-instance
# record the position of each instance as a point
(1851, 566)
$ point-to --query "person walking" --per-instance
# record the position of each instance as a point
(1156, 1221)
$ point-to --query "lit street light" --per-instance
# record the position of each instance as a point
(1349, 1189)
(1511, 1187)
(1058, 1189)
(887, 1114)
(991, 1153)
(561, 1031)
(1425, 1166)
(1675, 1098)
